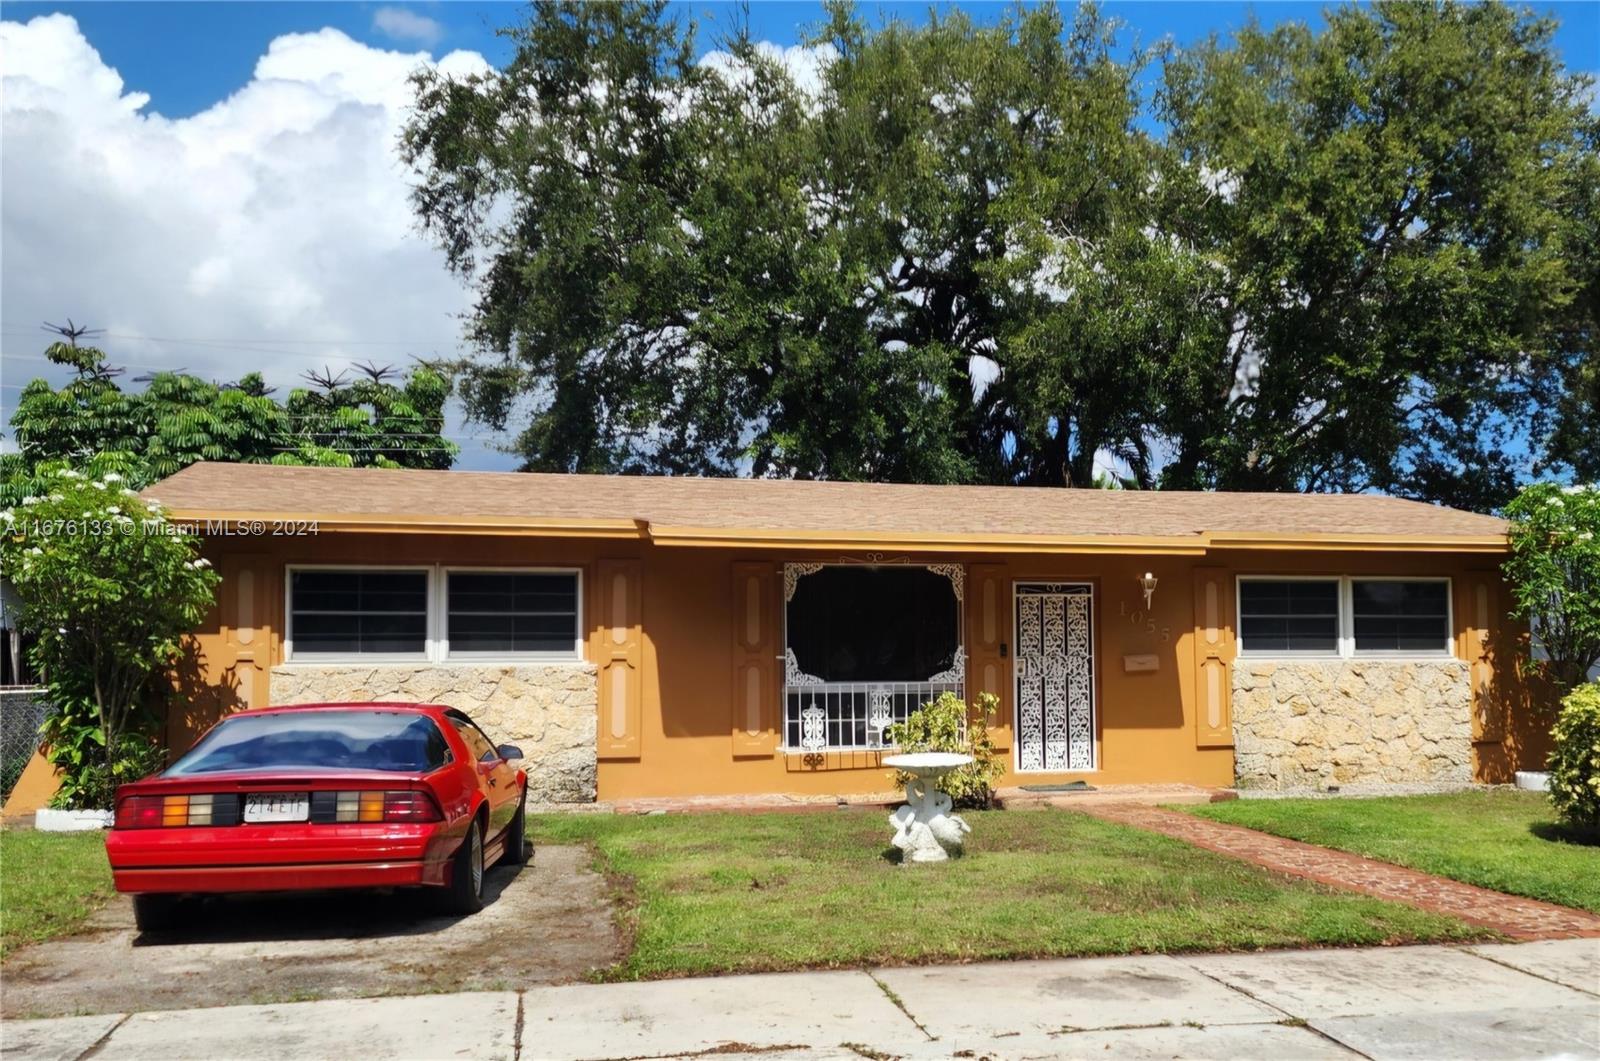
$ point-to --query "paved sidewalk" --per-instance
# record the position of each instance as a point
(1519, 918)
(1502, 1001)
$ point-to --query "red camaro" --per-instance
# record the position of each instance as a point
(322, 796)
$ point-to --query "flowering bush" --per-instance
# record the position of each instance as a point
(946, 725)
(1554, 571)
(109, 587)
(1575, 762)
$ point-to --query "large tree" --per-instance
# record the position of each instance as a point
(1395, 207)
(954, 252)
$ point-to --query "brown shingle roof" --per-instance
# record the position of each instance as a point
(705, 509)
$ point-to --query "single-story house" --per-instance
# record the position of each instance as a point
(656, 636)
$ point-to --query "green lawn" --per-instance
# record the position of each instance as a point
(1508, 841)
(705, 893)
(49, 883)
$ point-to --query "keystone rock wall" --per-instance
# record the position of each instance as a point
(1320, 723)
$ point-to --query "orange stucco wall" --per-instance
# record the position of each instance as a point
(677, 722)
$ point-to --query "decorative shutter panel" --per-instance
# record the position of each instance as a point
(233, 670)
(1482, 594)
(988, 609)
(1213, 655)
(620, 657)
(755, 659)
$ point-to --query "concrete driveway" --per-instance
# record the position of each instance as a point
(546, 922)
(1500, 1002)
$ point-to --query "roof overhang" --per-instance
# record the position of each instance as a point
(236, 524)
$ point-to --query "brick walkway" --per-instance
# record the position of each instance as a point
(1519, 918)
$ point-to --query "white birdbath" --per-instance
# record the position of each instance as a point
(924, 828)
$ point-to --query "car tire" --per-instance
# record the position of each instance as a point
(464, 894)
(517, 846)
(153, 912)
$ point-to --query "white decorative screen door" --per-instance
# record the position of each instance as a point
(1055, 676)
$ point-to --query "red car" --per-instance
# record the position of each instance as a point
(322, 796)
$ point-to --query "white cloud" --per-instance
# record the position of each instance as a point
(806, 64)
(402, 23)
(271, 232)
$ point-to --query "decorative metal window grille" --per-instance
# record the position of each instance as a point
(822, 715)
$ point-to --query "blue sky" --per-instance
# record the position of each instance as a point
(190, 55)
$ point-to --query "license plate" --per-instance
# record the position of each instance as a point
(277, 806)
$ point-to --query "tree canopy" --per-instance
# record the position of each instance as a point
(1360, 257)
(92, 423)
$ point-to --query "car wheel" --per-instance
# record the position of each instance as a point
(517, 836)
(465, 892)
(154, 912)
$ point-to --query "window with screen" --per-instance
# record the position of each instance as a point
(1289, 615)
(1391, 615)
(509, 613)
(358, 613)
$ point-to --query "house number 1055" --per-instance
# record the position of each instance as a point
(1140, 619)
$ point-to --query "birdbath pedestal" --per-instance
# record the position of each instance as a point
(924, 828)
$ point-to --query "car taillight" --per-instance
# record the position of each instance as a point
(139, 812)
(152, 812)
(409, 807)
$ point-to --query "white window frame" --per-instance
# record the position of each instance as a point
(363, 657)
(1346, 620)
(445, 652)
(436, 647)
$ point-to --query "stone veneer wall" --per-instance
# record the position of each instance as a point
(1316, 723)
(546, 710)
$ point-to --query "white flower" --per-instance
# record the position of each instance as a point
(68, 473)
(113, 477)
(114, 510)
(30, 500)
(58, 497)
(129, 493)
(8, 515)
(61, 629)
(202, 562)
(98, 485)
(36, 551)
(1586, 536)
(188, 564)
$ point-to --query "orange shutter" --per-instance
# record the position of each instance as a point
(988, 608)
(1482, 593)
(1213, 653)
(620, 658)
(755, 659)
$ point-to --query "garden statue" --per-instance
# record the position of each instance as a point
(924, 828)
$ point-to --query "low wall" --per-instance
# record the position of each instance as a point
(1319, 723)
(547, 710)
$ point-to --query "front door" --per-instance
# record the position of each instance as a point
(1055, 676)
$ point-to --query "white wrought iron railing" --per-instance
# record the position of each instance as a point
(854, 716)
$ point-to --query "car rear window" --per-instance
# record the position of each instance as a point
(317, 740)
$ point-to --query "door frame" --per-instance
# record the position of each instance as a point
(1094, 674)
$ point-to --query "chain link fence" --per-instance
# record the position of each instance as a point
(22, 712)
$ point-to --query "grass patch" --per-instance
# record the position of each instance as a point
(749, 892)
(49, 884)
(1505, 840)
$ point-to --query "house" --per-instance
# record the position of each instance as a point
(643, 636)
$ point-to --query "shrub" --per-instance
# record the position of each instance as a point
(1554, 573)
(947, 725)
(1575, 762)
(109, 587)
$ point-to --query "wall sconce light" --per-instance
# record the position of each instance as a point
(1148, 584)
